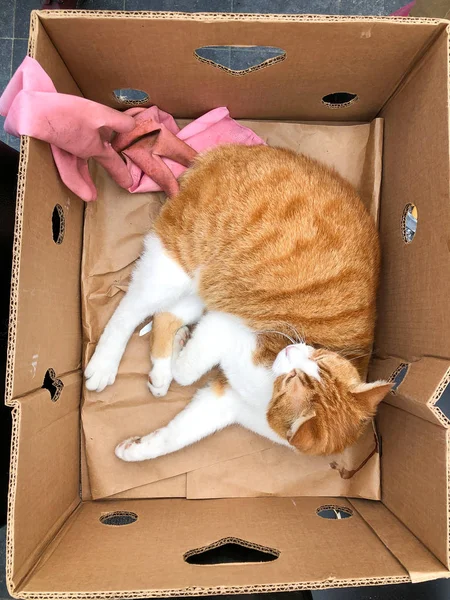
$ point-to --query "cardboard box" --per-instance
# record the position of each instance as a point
(60, 546)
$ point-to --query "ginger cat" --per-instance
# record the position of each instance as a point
(260, 246)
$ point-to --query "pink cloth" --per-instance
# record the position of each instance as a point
(76, 128)
(154, 150)
(404, 10)
(144, 148)
(214, 128)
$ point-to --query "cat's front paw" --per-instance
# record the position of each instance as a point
(100, 372)
(181, 369)
(135, 449)
(180, 341)
(160, 377)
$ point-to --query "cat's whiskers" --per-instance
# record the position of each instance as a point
(300, 339)
(351, 352)
(359, 356)
(263, 331)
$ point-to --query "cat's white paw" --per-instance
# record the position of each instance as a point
(180, 341)
(135, 449)
(161, 391)
(180, 368)
(100, 372)
(160, 377)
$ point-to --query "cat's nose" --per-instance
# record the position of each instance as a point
(298, 350)
(292, 347)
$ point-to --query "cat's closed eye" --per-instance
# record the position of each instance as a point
(290, 376)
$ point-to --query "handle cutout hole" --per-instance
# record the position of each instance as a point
(53, 385)
(339, 99)
(398, 376)
(131, 96)
(58, 224)
(118, 518)
(443, 402)
(229, 551)
(409, 223)
(331, 511)
(240, 60)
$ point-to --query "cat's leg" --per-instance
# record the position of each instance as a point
(165, 325)
(212, 408)
(253, 416)
(205, 349)
(220, 339)
(158, 282)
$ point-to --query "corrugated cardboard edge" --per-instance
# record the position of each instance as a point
(446, 422)
(182, 16)
(12, 496)
(428, 401)
(12, 326)
(24, 151)
(222, 590)
(14, 294)
(242, 72)
(17, 246)
(11, 351)
(445, 381)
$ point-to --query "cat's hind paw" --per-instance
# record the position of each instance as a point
(137, 448)
(129, 450)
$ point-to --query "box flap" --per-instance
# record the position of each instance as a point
(356, 64)
(419, 388)
(44, 472)
(417, 560)
(127, 563)
(415, 283)
(414, 476)
(45, 317)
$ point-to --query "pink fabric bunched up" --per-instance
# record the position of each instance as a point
(142, 149)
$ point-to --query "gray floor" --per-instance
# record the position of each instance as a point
(3, 590)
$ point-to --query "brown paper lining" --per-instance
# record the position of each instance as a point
(233, 462)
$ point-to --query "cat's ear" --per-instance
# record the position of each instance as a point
(371, 394)
(301, 420)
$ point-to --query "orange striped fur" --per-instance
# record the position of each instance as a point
(280, 241)
(285, 244)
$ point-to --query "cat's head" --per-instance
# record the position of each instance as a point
(319, 403)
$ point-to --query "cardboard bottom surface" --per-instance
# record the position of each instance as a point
(140, 558)
(233, 462)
